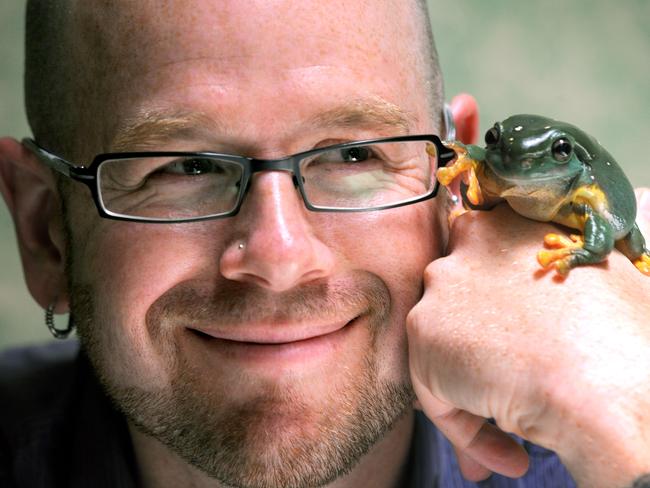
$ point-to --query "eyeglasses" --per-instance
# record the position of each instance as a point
(173, 187)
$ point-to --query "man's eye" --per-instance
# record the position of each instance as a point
(359, 154)
(193, 167)
(356, 154)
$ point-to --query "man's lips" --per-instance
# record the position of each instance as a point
(271, 333)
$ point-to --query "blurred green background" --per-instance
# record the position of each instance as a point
(583, 61)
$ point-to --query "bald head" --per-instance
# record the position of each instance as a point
(81, 55)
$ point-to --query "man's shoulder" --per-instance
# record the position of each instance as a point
(35, 379)
(56, 426)
(25, 358)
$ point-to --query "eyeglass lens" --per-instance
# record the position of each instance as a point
(356, 177)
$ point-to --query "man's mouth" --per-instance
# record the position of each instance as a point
(274, 343)
(271, 334)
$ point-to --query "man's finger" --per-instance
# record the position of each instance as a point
(470, 469)
(484, 443)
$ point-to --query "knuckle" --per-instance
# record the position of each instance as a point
(435, 271)
(412, 319)
(431, 271)
(416, 322)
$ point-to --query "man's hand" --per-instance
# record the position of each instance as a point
(564, 364)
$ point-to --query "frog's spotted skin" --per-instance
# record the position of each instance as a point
(552, 171)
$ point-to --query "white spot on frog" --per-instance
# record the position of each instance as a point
(518, 128)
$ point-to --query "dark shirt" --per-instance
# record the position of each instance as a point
(58, 429)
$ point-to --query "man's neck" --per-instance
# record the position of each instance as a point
(384, 466)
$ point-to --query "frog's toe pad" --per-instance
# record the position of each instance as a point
(445, 176)
(559, 241)
(546, 258)
(643, 264)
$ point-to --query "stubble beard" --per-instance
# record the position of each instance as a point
(277, 438)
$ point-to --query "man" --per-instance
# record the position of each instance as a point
(268, 347)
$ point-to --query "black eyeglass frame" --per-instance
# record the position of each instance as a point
(88, 174)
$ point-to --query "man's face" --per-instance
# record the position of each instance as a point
(268, 347)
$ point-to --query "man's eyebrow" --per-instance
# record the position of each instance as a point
(152, 129)
(371, 113)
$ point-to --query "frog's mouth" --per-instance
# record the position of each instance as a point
(529, 191)
(525, 180)
(544, 190)
(534, 179)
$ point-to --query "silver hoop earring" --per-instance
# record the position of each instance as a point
(49, 321)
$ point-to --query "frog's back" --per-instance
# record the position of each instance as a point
(602, 170)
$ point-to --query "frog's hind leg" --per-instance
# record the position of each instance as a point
(596, 245)
(633, 247)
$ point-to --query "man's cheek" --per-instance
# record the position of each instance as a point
(126, 267)
(141, 260)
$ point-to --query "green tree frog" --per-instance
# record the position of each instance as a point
(552, 171)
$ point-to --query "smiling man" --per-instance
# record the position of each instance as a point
(240, 270)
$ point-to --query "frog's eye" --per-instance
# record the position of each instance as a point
(492, 135)
(561, 150)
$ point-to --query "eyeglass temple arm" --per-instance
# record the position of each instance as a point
(51, 160)
(450, 127)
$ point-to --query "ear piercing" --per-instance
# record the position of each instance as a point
(49, 321)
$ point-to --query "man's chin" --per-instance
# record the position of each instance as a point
(280, 437)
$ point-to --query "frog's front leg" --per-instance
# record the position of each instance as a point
(594, 247)
(464, 164)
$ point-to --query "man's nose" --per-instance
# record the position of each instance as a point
(274, 245)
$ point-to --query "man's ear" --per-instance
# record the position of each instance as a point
(465, 112)
(29, 189)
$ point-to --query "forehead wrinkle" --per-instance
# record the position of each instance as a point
(373, 113)
(151, 129)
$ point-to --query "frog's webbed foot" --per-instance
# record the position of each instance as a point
(559, 255)
(463, 164)
(594, 247)
(643, 263)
